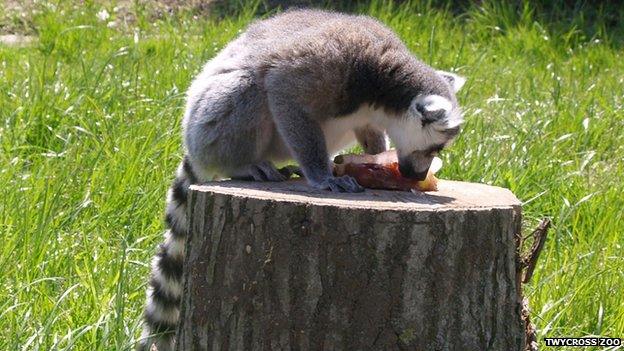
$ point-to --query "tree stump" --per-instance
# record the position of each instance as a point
(280, 266)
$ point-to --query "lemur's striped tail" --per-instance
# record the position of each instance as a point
(162, 310)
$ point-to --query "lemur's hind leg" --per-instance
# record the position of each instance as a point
(373, 140)
(263, 171)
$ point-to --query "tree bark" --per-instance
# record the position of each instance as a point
(279, 266)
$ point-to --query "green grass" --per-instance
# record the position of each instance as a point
(90, 138)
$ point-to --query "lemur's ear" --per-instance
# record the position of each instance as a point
(453, 79)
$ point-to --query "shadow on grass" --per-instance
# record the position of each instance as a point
(579, 21)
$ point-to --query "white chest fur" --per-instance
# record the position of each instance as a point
(339, 133)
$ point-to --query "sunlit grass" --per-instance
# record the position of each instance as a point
(89, 141)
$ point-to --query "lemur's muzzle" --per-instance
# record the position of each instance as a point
(415, 165)
(410, 173)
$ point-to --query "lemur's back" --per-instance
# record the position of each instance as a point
(291, 24)
(278, 36)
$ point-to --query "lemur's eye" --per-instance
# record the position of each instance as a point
(420, 108)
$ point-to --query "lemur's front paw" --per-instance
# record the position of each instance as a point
(344, 184)
(263, 171)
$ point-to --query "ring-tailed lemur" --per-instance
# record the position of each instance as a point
(303, 84)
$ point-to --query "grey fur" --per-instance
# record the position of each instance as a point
(372, 139)
(303, 84)
(270, 94)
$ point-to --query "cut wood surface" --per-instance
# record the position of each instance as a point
(281, 266)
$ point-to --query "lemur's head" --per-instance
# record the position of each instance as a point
(430, 124)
